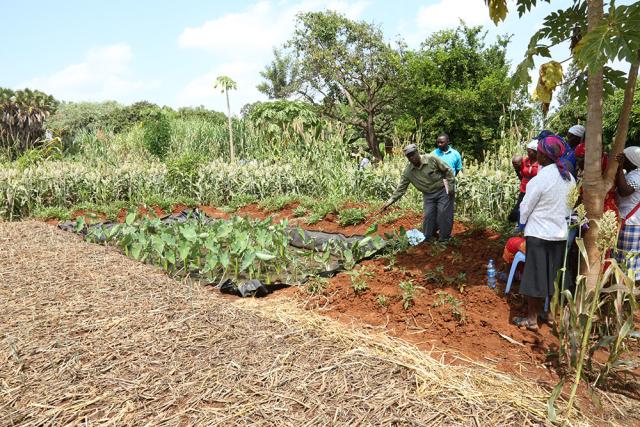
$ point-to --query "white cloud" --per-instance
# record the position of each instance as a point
(242, 42)
(105, 73)
(447, 14)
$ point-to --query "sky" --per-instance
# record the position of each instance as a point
(170, 53)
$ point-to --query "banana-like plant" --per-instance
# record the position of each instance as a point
(23, 113)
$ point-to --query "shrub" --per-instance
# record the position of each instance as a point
(351, 216)
(157, 132)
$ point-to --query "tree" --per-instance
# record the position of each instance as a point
(457, 84)
(596, 38)
(22, 118)
(226, 84)
(281, 76)
(347, 70)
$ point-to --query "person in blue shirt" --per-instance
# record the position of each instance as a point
(448, 154)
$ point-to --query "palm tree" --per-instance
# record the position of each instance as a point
(225, 84)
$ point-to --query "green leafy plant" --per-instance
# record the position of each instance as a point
(316, 285)
(457, 310)
(359, 280)
(383, 300)
(351, 216)
(408, 293)
(299, 211)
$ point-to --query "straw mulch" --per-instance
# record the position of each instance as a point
(90, 336)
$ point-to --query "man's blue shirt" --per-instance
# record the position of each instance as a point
(450, 157)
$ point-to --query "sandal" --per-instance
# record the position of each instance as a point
(524, 322)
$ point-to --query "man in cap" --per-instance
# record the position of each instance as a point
(436, 181)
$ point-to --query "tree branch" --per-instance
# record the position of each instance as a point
(623, 123)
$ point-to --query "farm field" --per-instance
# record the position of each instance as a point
(305, 213)
(115, 340)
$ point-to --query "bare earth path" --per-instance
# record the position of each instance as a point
(90, 336)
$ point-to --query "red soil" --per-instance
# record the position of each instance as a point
(89, 215)
(143, 210)
(431, 322)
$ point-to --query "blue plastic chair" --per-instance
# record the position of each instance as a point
(520, 257)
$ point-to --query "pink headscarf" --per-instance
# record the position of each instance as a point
(553, 147)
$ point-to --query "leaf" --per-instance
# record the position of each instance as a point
(583, 251)
(224, 259)
(130, 218)
(80, 223)
(247, 260)
(264, 256)
(183, 250)
(136, 250)
(189, 233)
(551, 408)
(497, 10)
(372, 229)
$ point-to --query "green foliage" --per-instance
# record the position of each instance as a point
(456, 306)
(408, 293)
(575, 111)
(382, 300)
(359, 280)
(201, 113)
(316, 285)
(458, 85)
(22, 117)
(276, 203)
(281, 76)
(237, 249)
(72, 117)
(275, 118)
(351, 216)
(157, 131)
(348, 70)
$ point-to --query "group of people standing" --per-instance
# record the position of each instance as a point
(547, 174)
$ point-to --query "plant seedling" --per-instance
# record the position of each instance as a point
(408, 293)
(383, 300)
(299, 211)
(352, 216)
(316, 285)
(456, 305)
(358, 280)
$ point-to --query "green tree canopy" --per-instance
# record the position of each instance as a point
(459, 85)
(347, 70)
(281, 76)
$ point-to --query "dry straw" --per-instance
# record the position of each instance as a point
(89, 336)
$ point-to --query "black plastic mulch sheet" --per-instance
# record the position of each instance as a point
(298, 238)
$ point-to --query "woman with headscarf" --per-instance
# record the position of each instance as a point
(544, 212)
(628, 188)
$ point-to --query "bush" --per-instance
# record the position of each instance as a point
(73, 117)
(157, 132)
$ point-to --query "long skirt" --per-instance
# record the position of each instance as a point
(628, 251)
(544, 259)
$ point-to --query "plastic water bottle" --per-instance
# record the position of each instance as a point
(491, 274)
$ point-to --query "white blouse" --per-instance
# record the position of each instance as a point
(544, 209)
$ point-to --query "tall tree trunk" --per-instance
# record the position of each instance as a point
(594, 188)
(231, 149)
(623, 123)
(372, 139)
